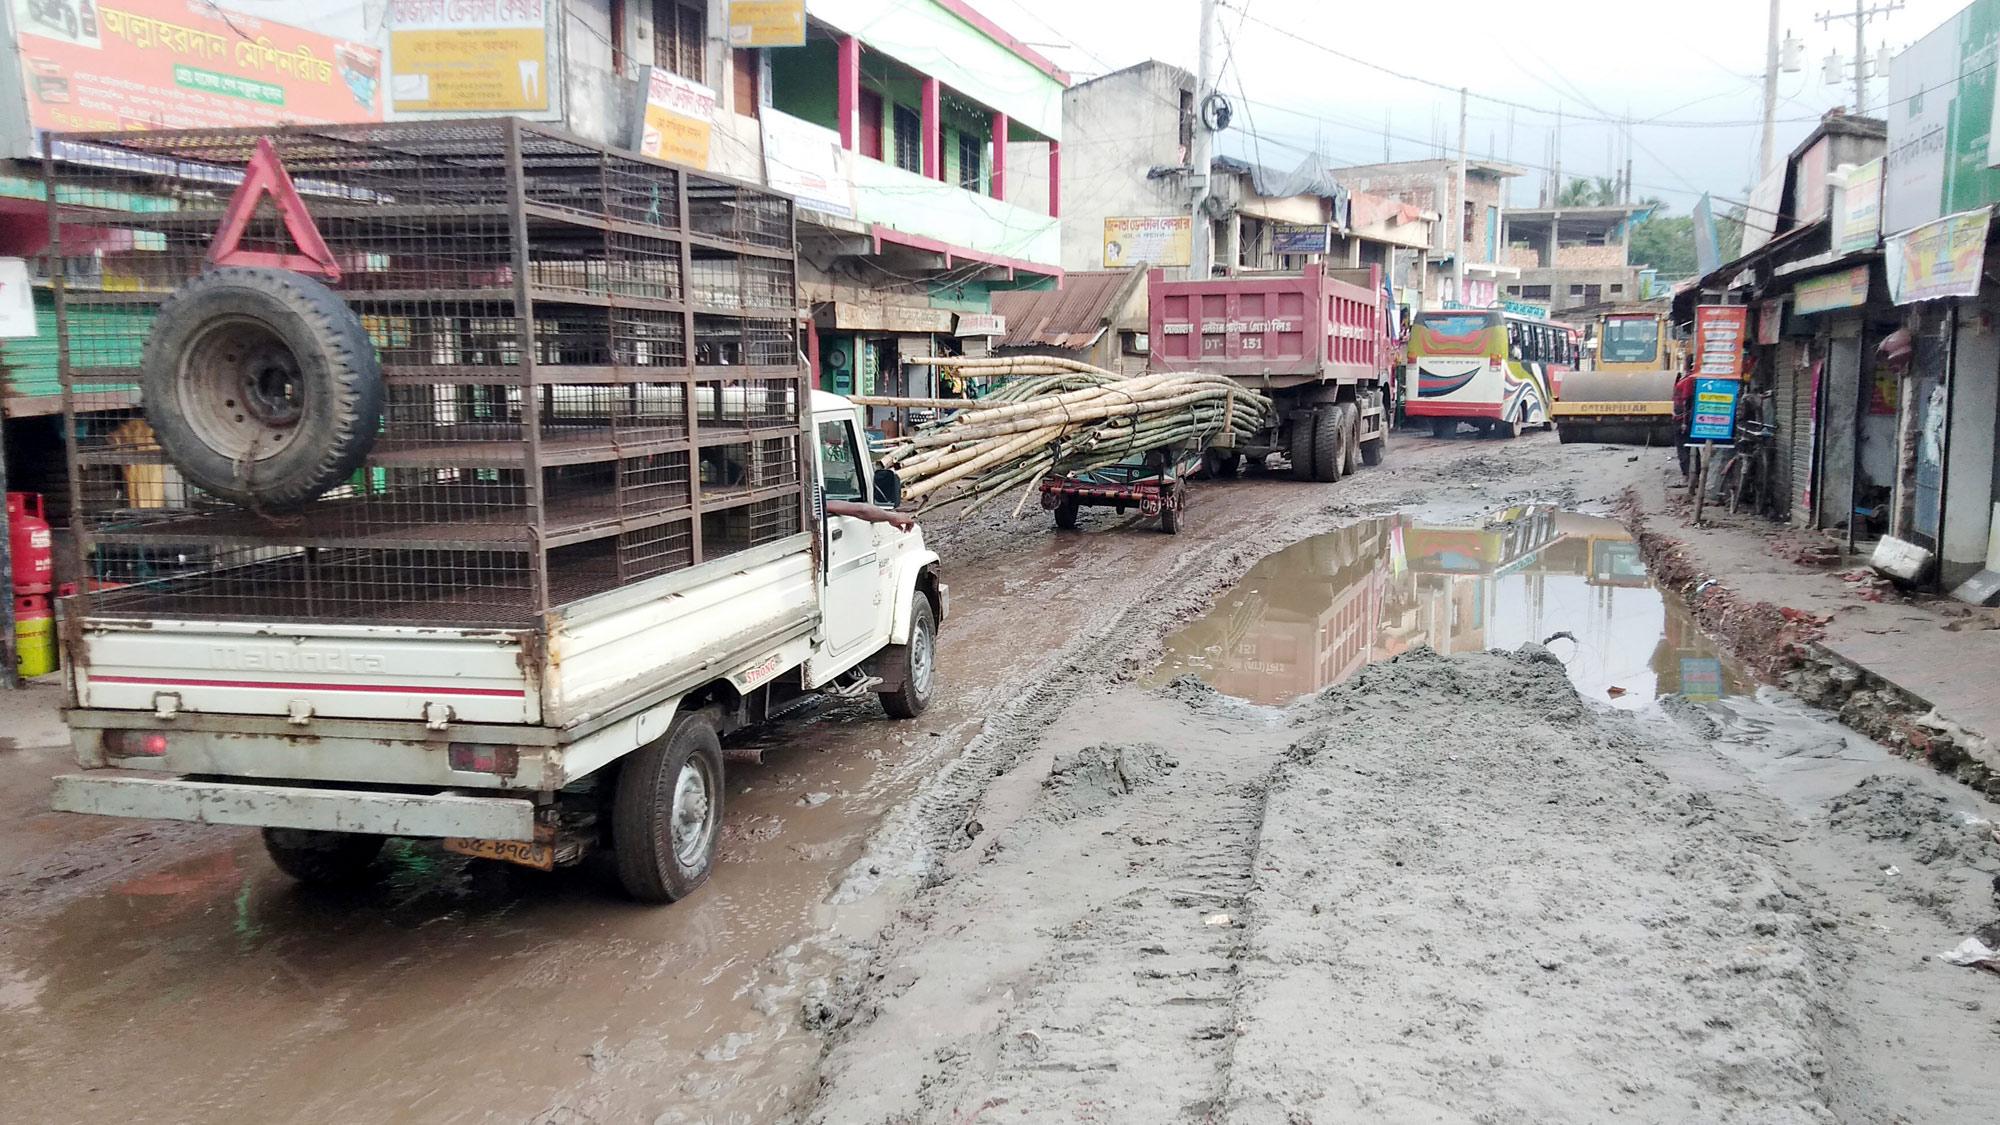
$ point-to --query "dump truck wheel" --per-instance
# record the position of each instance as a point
(1350, 458)
(262, 386)
(919, 665)
(322, 859)
(666, 817)
(1329, 443)
(1305, 426)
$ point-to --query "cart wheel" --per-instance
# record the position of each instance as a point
(1066, 515)
(1171, 517)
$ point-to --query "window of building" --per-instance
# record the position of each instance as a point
(909, 140)
(1135, 343)
(1187, 125)
(1617, 290)
(971, 151)
(871, 124)
(680, 35)
(1534, 292)
(744, 68)
(1576, 290)
(1469, 216)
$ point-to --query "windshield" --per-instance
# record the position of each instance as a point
(1456, 333)
(1631, 339)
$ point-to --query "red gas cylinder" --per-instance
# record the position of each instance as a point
(33, 547)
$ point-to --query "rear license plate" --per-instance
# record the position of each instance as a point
(538, 854)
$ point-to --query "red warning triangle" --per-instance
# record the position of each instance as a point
(263, 176)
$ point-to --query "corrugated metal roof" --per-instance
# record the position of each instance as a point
(1073, 316)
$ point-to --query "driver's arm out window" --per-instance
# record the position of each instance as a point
(837, 463)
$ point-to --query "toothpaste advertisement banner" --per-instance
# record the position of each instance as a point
(469, 56)
(174, 64)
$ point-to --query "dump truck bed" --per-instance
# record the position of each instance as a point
(1271, 330)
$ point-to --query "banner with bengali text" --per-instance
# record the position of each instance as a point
(469, 56)
(171, 64)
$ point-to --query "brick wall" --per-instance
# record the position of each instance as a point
(1591, 257)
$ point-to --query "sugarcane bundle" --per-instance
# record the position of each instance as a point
(1059, 416)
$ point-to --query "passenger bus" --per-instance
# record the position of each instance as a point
(1494, 369)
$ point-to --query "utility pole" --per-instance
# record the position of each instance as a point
(1458, 220)
(1386, 123)
(1862, 14)
(1768, 147)
(1203, 260)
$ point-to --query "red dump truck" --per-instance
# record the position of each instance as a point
(1319, 343)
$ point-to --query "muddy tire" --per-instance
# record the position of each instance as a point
(666, 816)
(322, 859)
(1350, 448)
(919, 659)
(1066, 514)
(1305, 427)
(1507, 430)
(1444, 427)
(262, 386)
(1217, 465)
(1331, 441)
(1172, 519)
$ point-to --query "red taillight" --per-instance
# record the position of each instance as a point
(470, 758)
(1493, 361)
(135, 744)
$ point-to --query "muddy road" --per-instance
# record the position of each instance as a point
(1014, 902)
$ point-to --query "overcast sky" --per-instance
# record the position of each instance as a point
(1687, 61)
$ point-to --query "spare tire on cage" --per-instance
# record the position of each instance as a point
(262, 386)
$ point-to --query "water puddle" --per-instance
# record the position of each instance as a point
(1313, 614)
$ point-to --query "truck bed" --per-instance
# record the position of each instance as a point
(1270, 330)
(586, 662)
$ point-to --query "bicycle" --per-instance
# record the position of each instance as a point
(1747, 474)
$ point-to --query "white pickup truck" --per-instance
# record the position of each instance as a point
(601, 728)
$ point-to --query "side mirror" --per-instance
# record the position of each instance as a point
(888, 488)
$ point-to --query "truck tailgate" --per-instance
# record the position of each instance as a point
(336, 671)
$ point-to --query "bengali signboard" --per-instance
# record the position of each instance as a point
(806, 161)
(679, 119)
(1937, 260)
(171, 64)
(1153, 242)
(1301, 238)
(767, 23)
(1714, 410)
(469, 56)
(981, 324)
(1847, 289)
(1719, 333)
(1859, 220)
(1941, 143)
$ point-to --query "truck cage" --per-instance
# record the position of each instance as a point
(591, 367)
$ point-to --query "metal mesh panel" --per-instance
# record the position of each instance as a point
(551, 318)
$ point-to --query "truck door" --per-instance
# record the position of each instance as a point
(852, 583)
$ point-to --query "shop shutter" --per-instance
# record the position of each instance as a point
(1795, 444)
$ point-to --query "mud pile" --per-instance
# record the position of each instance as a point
(1895, 808)
(1474, 901)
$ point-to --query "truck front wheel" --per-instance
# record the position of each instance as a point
(322, 858)
(919, 659)
(667, 816)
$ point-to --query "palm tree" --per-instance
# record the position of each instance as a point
(1601, 192)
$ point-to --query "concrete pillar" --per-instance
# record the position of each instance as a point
(999, 156)
(933, 131)
(849, 82)
(1055, 179)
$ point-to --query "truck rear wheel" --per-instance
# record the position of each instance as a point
(666, 817)
(1331, 443)
(1305, 426)
(322, 859)
(919, 665)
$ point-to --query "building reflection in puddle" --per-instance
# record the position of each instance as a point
(1311, 615)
